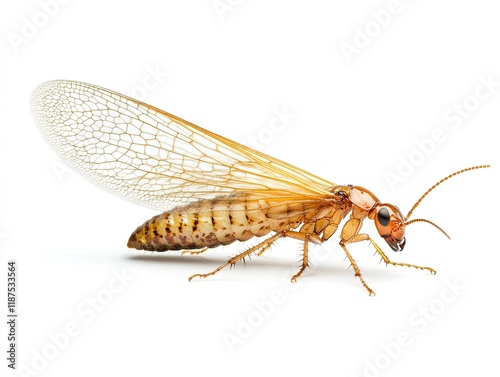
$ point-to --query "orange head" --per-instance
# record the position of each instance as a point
(389, 220)
(390, 224)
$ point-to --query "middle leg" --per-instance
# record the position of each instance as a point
(306, 238)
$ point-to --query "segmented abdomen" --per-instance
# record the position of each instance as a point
(210, 223)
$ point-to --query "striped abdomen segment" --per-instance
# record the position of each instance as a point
(210, 223)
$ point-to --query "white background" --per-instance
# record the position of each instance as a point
(228, 71)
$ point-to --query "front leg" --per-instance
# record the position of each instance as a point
(385, 258)
(350, 235)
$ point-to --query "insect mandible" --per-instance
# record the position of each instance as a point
(214, 190)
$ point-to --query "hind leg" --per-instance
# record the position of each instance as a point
(195, 252)
(263, 245)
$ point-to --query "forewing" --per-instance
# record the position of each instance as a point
(155, 159)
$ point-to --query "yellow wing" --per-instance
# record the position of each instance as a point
(155, 159)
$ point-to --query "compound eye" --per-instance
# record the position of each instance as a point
(383, 216)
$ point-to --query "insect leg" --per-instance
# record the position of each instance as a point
(287, 233)
(349, 235)
(195, 252)
(240, 256)
(305, 260)
(306, 237)
(265, 247)
(357, 271)
(366, 237)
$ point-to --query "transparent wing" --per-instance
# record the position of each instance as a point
(153, 158)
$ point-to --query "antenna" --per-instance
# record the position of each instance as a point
(441, 181)
(432, 188)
